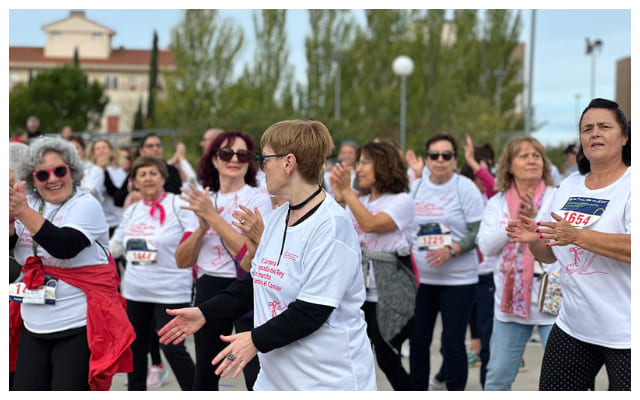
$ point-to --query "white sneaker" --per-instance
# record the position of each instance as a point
(156, 376)
(435, 384)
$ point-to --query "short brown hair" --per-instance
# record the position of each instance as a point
(144, 161)
(389, 167)
(504, 177)
(308, 140)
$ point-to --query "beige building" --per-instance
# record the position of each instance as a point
(623, 85)
(123, 73)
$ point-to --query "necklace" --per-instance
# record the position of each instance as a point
(293, 208)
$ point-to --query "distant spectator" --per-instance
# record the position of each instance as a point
(66, 132)
(570, 164)
(33, 127)
(20, 137)
(208, 137)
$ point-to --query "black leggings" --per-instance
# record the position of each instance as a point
(207, 339)
(388, 358)
(142, 315)
(570, 364)
(54, 361)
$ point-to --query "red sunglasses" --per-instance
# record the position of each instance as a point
(43, 174)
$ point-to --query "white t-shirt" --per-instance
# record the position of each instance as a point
(83, 213)
(112, 213)
(213, 259)
(400, 208)
(93, 180)
(452, 205)
(159, 281)
(320, 264)
(492, 239)
(596, 290)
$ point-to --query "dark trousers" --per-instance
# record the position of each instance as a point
(388, 358)
(566, 356)
(480, 323)
(147, 319)
(454, 305)
(207, 339)
(54, 361)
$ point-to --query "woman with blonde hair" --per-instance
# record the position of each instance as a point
(305, 284)
(524, 182)
(103, 154)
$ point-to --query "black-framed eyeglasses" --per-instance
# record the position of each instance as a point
(43, 174)
(260, 158)
(226, 154)
(434, 155)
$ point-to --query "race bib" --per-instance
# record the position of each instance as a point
(583, 211)
(45, 294)
(139, 251)
(433, 236)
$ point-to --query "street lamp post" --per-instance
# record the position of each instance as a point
(593, 49)
(337, 57)
(403, 67)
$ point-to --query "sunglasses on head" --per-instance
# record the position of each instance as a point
(434, 155)
(43, 174)
(226, 154)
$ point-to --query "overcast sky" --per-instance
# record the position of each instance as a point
(562, 71)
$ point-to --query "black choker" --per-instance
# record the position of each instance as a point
(286, 221)
(308, 199)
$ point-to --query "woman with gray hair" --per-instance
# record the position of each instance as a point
(68, 326)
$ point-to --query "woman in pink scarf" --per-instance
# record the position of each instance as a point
(524, 183)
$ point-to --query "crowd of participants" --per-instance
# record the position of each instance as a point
(302, 271)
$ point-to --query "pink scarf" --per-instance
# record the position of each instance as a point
(155, 205)
(516, 267)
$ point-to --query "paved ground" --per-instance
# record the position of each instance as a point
(526, 380)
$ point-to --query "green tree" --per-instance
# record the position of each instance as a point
(264, 93)
(204, 48)
(138, 120)
(153, 78)
(59, 97)
(76, 58)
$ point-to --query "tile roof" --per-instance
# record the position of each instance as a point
(119, 56)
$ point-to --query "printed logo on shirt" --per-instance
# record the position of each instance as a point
(290, 256)
(276, 307)
(428, 210)
(582, 260)
(268, 275)
(581, 212)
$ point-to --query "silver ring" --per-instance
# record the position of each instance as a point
(242, 222)
(230, 357)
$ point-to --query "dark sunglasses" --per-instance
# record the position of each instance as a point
(226, 154)
(434, 155)
(43, 174)
(261, 158)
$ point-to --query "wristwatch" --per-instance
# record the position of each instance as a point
(452, 251)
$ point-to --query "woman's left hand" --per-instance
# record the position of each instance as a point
(561, 233)
(437, 257)
(242, 349)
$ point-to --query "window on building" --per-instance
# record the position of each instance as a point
(55, 35)
(111, 82)
(132, 82)
(96, 36)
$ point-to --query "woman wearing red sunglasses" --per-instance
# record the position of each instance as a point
(228, 174)
(65, 310)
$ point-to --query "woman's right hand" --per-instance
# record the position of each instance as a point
(251, 225)
(340, 180)
(186, 322)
